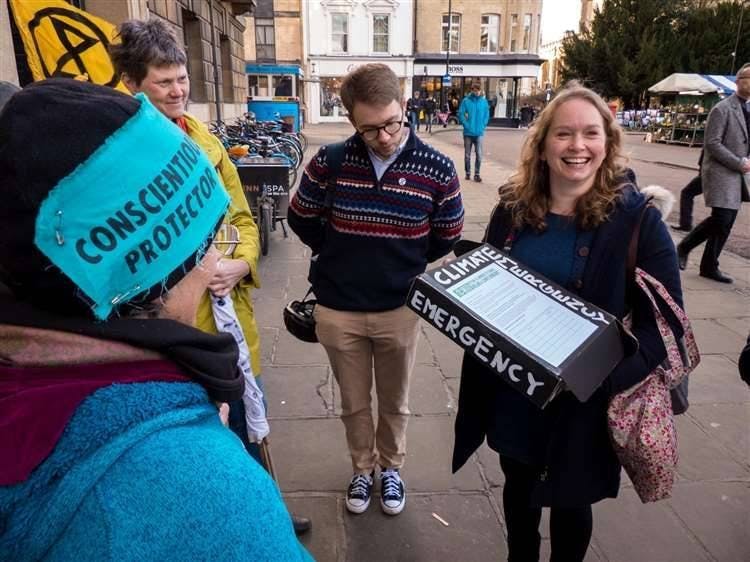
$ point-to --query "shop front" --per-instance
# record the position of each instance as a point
(323, 89)
(504, 78)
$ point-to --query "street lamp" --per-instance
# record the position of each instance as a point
(450, 32)
(737, 41)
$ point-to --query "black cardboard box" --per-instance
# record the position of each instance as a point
(537, 336)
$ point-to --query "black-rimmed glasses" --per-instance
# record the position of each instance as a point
(392, 127)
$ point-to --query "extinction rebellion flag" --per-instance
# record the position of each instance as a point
(61, 40)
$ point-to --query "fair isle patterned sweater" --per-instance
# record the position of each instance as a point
(379, 234)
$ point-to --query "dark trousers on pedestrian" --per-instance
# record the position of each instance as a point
(414, 119)
(570, 528)
(476, 142)
(714, 231)
(688, 193)
(428, 122)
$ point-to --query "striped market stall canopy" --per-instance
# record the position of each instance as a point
(679, 83)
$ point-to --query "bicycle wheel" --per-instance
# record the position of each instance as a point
(291, 149)
(302, 140)
(265, 218)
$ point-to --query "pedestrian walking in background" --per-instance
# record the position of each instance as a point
(563, 215)
(474, 115)
(527, 115)
(430, 108)
(687, 194)
(149, 59)
(414, 107)
(112, 444)
(373, 222)
(725, 176)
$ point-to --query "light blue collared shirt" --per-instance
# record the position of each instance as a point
(380, 165)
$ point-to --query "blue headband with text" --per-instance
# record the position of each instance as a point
(133, 212)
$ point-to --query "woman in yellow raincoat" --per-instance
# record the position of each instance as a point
(238, 273)
(150, 59)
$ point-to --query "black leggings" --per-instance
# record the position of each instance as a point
(570, 528)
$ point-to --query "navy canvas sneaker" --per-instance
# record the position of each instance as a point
(392, 492)
(359, 492)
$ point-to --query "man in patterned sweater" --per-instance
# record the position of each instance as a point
(395, 206)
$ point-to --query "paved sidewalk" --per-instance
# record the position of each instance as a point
(706, 519)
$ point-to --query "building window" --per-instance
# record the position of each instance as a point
(451, 32)
(191, 26)
(258, 85)
(265, 47)
(489, 33)
(340, 33)
(283, 85)
(227, 75)
(380, 30)
(513, 30)
(526, 31)
(538, 32)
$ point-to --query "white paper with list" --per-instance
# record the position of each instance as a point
(533, 320)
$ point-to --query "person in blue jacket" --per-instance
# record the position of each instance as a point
(568, 213)
(474, 114)
(111, 442)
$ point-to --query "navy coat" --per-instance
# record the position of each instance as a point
(567, 444)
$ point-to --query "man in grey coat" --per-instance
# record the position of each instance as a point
(725, 174)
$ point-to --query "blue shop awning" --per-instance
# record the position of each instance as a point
(293, 69)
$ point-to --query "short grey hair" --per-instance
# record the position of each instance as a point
(745, 66)
(143, 44)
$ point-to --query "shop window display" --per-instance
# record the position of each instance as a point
(330, 98)
(500, 93)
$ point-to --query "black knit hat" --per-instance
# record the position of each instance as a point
(47, 131)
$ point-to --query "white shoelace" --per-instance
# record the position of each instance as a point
(390, 481)
(359, 485)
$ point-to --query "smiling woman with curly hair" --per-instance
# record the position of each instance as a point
(568, 212)
(528, 191)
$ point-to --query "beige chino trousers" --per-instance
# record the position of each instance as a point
(359, 344)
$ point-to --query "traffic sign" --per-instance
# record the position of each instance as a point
(446, 79)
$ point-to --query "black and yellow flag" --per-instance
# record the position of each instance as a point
(61, 40)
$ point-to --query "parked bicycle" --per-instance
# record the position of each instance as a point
(248, 138)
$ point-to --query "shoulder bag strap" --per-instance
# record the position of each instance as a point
(334, 160)
(632, 258)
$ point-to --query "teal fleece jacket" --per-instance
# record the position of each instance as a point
(474, 114)
(147, 472)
